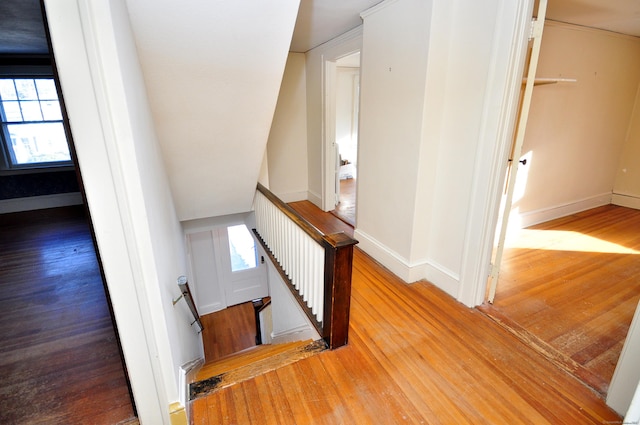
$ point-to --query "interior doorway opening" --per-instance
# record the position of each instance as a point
(568, 280)
(344, 137)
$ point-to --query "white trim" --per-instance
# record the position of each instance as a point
(40, 202)
(435, 273)
(301, 333)
(628, 201)
(443, 278)
(186, 376)
(75, 34)
(375, 9)
(211, 308)
(485, 203)
(314, 198)
(530, 218)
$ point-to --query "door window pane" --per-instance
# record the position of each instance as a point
(242, 248)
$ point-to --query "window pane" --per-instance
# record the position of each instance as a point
(242, 248)
(40, 142)
(51, 110)
(7, 90)
(12, 111)
(31, 111)
(26, 89)
(46, 89)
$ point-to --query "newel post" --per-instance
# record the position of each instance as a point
(338, 261)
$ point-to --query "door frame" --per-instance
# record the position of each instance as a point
(343, 46)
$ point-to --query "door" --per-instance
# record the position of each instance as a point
(226, 267)
(514, 161)
(244, 271)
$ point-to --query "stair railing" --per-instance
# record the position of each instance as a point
(315, 266)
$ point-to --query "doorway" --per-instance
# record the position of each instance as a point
(345, 95)
(550, 291)
(61, 355)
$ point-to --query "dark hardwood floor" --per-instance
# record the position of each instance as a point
(59, 358)
(415, 355)
(571, 286)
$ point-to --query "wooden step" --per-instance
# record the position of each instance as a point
(246, 364)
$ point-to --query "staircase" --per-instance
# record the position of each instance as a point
(248, 363)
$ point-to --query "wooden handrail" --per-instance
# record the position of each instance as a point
(308, 228)
(338, 260)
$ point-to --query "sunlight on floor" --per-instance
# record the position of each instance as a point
(562, 240)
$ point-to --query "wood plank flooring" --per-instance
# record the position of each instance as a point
(228, 331)
(415, 355)
(574, 283)
(346, 208)
(59, 359)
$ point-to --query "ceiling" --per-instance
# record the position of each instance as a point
(22, 31)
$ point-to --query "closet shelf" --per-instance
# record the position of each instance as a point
(542, 81)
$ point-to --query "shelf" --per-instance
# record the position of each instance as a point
(543, 81)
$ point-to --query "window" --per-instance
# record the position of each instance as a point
(33, 134)
(242, 248)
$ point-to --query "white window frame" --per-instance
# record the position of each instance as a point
(7, 165)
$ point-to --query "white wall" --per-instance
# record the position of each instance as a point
(287, 145)
(347, 102)
(138, 234)
(213, 70)
(626, 189)
(438, 85)
(576, 131)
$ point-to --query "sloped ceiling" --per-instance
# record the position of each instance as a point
(212, 70)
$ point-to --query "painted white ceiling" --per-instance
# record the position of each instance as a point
(321, 20)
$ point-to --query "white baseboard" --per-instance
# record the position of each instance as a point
(530, 218)
(301, 333)
(186, 374)
(40, 202)
(626, 201)
(315, 199)
(435, 273)
(443, 278)
(210, 308)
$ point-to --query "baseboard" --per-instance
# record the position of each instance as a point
(186, 375)
(626, 201)
(301, 333)
(530, 218)
(40, 202)
(443, 278)
(435, 273)
(385, 256)
(210, 308)
(315, 199)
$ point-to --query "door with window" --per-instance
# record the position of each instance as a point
(227, 267)
(245, 276)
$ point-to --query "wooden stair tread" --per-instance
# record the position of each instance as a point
(249, 363)
(245, 357)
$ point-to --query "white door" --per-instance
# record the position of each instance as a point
(536, 37)
(244, 274)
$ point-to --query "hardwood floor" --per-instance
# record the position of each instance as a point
(573, 284)
(228, 331)
(59, 358)
(415, 355)
(346, 208)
